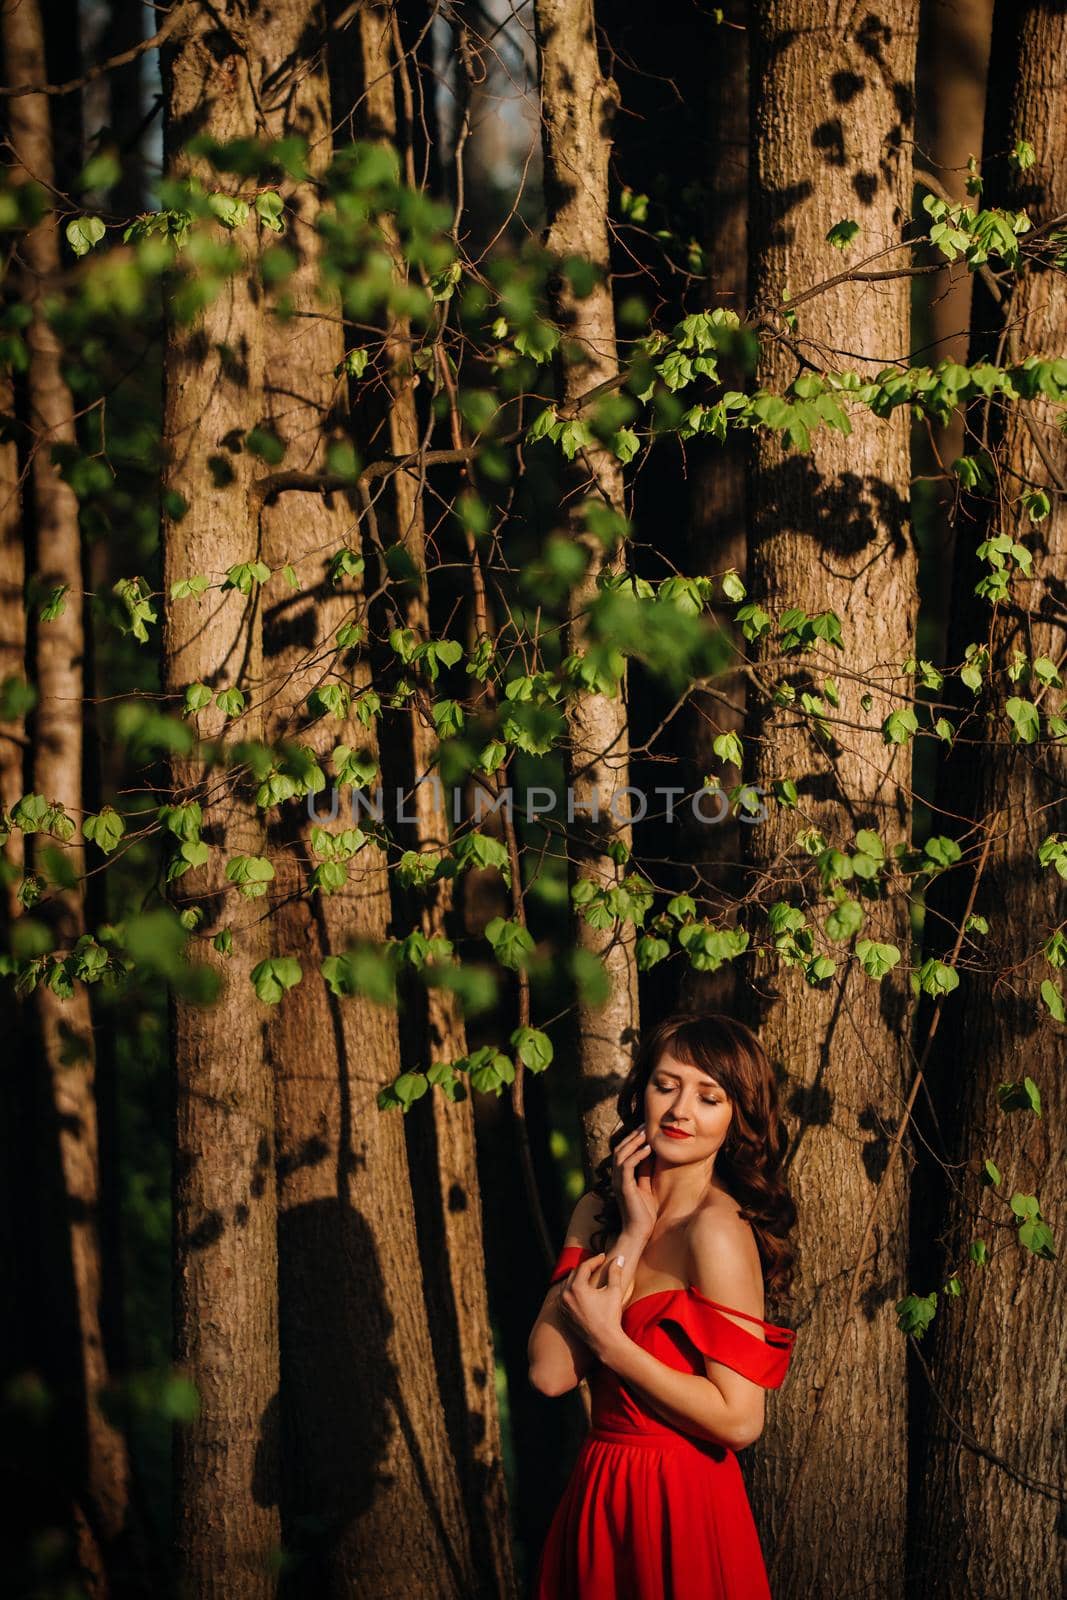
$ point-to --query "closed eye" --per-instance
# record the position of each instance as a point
(709, 1100)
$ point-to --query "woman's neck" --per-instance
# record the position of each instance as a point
(680, 1190)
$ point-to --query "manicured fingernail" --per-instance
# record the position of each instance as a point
(620, 1261)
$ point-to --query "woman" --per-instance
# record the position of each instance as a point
(658, 1297)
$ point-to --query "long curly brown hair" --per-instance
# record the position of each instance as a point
(749, 1162)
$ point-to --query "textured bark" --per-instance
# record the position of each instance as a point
(225, 1262)
(989, 1508)
(12, 648)
(372, 1500)
(442, 1138)
(829, 531)
(66, 1104)
(576, 109)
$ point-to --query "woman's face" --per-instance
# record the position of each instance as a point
(684, 1100)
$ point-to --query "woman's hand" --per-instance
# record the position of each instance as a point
(636, 1201)
(594, 1313)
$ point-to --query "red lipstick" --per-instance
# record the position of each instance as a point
(674, 1133)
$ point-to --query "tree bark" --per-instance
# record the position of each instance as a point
(226, 1521)
(830, 531)
(12, 647)
(576, 107)
(372, 1500)
(989, 1504)
(66, 1106)
(442, 1132)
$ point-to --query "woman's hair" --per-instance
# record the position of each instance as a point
(749, 1161)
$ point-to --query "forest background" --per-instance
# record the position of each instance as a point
(656, 407)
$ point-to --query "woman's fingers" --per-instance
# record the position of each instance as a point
(629, 1164)
(586, 1268)
(637, 1133)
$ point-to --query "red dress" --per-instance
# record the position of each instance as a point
(651, 1513)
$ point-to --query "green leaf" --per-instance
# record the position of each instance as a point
(228, 210)
(1026, 723)
(274, 976)
(134, 594)
(1036, 1236)
(344, 563)
(1052, 995)
(650, 951)
(916, 1312)
(728, 748)
(197, 696)
(533, 1048)
(936, 978)
(251, 874)
(512, 944)
(31, 813)
(941, 851)
(55, 605)
(104, 830)
(83, 233)
(900, 726)
(1025, 1096)
(991, 1172)
(188, 588)
(876, 959)
(354, 767)
(231, 702)
(244, 574)
(184, 821)
(342, 461)
(354, 363)
(844, 920)
(17, 698)
(269, 210)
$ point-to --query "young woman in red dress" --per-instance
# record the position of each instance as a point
(658, 1299)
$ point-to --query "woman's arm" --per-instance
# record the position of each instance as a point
(722, 1406)
(559, 1357)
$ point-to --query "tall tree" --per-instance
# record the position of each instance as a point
(829, 533)
(989, 1502)
(577, 103)
(66, 1109)
(442, 1134)
(371, 1492)
(225, 1216)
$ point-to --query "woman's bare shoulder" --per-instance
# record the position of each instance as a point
(717, 1224)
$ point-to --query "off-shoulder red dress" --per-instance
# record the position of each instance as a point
(651, 1513)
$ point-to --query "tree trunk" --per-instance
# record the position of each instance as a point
(372, 1500)
(225, 1215)
(67, 1109)
(830, 531)
(576, 108)
(442, 1134)
(12, 649)
(989, 1506)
